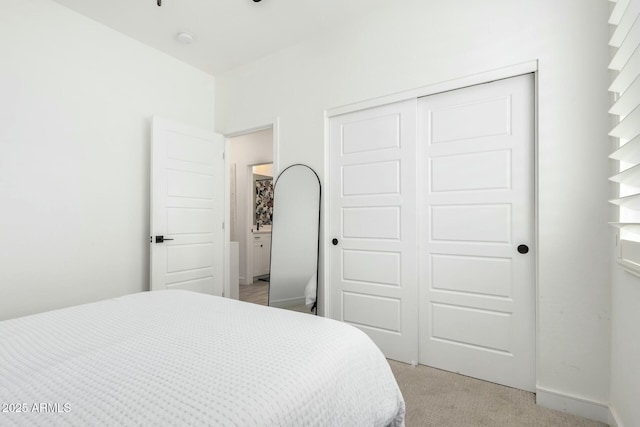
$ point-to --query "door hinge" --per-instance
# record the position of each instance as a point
(223, 225)
(223, 155)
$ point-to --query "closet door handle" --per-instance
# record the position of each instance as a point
(334, 241)
(523, 249)
(160, 239)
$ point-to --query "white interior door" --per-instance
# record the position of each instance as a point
(373, 226)
(477, 197)
(187, 208)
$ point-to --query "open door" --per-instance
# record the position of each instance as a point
(187, 208)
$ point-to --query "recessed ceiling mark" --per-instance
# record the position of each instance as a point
(184, 37)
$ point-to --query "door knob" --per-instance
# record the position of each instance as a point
(160, 239)
(334, 241)
(523, 249)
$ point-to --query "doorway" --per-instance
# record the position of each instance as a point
(260, 215)
(245, 151)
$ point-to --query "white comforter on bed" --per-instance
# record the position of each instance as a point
(181, 358)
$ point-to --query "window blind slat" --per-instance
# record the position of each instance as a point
(629, 127)
(627, 74)
(617, 12)
(628, 101)
(630, 176)
(633, 227)
(629, 202)
(629, 152)
(626, 49)
(626, 22)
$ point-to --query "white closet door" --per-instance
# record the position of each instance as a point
(373, 282)
(187, 208)
(477, 311)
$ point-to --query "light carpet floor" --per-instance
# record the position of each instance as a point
(439, 398)
(443, 399)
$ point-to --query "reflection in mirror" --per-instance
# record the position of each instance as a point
(264, 202)
(294, 240)
(262, 196)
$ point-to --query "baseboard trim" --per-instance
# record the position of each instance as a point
(286, 303)
(573, 405)
(614, 420)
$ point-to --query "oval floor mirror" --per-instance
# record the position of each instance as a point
(293, 280)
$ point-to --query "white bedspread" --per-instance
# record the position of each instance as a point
(181, 358)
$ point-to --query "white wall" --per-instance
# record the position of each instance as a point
(76, 99)
(246, 150)
(625, 348)
(416, 43)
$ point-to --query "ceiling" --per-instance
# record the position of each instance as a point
(227, 33)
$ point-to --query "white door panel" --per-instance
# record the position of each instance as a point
(450, 224)
(373, 218)
(370, 311)
(481, 118)
(471, 274)
(489, 170)
(371, 222)
(188, 220)
(371, 134)
(202, 285)
(187, 207)
(372, 267)
(477, 309)
(471, 223)
(488, 329)
(371, 178)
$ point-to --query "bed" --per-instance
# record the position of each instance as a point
(183, 358)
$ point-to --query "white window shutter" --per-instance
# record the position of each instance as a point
(625, 40)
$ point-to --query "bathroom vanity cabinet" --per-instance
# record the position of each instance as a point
(261, 253)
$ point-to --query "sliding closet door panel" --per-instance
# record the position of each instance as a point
(372, 222)
(483, 171)
(476, 191)
(373, 283)
(379, 178)
(372, 266)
